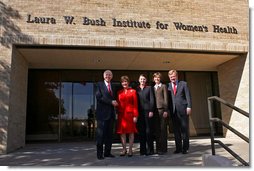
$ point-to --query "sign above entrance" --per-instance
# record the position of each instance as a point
(100, 22)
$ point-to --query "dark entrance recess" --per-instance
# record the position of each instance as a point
(61, 104)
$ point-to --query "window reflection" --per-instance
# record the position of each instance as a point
(60, 110)
(61, 104)
(78, 101)
(43, 106)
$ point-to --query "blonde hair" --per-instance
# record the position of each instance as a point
(157, 74)
(172, 72)
(125, 78)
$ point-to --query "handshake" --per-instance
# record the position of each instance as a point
(114, 103)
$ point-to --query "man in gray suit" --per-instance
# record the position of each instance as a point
(180, 110)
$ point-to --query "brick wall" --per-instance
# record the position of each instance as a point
(17, 28)
(17, 104)
(5, 72)
(234, 87)
(232, 13)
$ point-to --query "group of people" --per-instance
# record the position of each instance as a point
(144, 110)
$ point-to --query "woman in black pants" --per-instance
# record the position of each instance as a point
(146, 107)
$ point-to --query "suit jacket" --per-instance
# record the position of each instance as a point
(145, 99)
(105, 110)
(161, 97)
(181, 100)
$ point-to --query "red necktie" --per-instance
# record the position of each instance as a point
(174, 88)
(109, 90)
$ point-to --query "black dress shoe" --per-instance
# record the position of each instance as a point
(130, 154)
(100, 157)
(161, 153)
(150, 153)
(177, 151)
(109, 155)
(185, 152)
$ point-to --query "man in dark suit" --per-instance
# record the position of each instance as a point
(180, 109)
(105, 115)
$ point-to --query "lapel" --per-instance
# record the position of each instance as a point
(106, 89)
(179, 85)
(146, 90)
(159, 89)
(170, 88)
(113, 90)
(178, 88)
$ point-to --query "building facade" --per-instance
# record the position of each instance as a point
(53, 52)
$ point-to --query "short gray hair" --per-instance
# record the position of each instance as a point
(108, 71)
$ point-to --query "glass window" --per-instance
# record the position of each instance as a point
(43, 105)
(70, 94)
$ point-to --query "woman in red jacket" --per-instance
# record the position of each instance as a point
(127, 114)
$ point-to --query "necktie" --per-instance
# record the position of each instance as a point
(109, 90)
(174, 88)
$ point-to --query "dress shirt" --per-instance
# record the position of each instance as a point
(157, 85)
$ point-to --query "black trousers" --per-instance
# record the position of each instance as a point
(161, 134)
(181, 131)
(145, 127)
(104, 135)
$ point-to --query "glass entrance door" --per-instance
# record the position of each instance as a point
(77, 117)
(61, 103)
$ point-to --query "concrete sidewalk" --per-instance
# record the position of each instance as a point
(84, 154)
